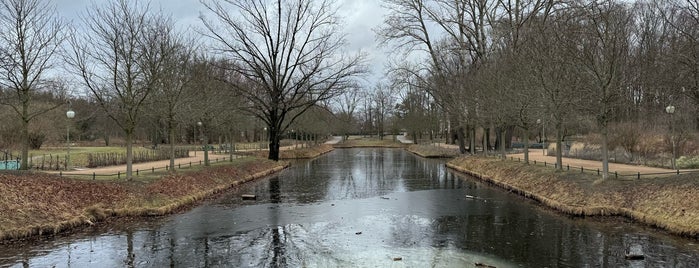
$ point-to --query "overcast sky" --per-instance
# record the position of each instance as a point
(360, 17)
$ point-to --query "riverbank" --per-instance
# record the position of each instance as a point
(668, 203)
(297, 153)
(430, 151)
(369, 143)
(35, 204)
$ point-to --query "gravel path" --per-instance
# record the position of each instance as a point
(622, 169)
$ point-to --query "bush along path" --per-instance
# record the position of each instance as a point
(34, 204)
(668, 203)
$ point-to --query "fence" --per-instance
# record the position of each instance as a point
(137, 172)
(598, 172)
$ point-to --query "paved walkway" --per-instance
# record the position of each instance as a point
(194, 158)
(538, 155)
(403, 139)
(622, 169)
(334, 140)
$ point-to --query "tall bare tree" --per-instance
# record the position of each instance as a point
(30, 37)
(601, 48)
(113, 56)
(289, 54)
(170, 65)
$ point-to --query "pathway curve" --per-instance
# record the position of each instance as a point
(538, 155)
(622, 169)
(194, 158)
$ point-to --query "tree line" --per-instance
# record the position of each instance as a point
(583, 66)
(265, 62)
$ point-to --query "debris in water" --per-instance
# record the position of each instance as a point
(385, 198)
(249, 197)
(358, 233)
(478, 264)
(635, 252)
(397, 258)
(470, 197)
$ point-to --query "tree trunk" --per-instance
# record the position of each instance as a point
(526, 145)
(509, 131)
(503, 135)
(25, 144)
(129, 155)
(487, 139)
(231, 145)
(484, 142)
(559, 146)
(171, 137)
(273, 144)
(472, 140)
(462, 143)
(605, 153)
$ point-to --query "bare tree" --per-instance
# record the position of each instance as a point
(170, 65)
(30, 36)
(288, 53)
(347, 104)
(683, 17)
(113, 57)
(601, 48)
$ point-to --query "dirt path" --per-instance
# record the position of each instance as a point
(622, 169)
(194, 158)
(538, 155)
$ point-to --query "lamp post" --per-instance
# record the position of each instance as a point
(203, 141)
(670, 109)
(264, 137)
(543, 135)
(70, 114)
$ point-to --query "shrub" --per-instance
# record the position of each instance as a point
(110, 159)
(685, 162)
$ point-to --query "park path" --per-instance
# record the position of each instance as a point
(195, 158)
(538, 155)
(621, 169)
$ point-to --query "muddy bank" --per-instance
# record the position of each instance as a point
(34, 204)
(668, 203)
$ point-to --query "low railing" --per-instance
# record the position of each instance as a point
(616, 174)
(137, 172)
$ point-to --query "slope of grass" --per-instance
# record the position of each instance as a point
(430, 151)
(668, 203)
(363, 142)
(298, 153)
(39, 203)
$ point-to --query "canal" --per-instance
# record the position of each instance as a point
(361, 208)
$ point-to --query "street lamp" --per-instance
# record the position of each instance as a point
(70, 114)
(671, 110)
(264, 137)
(543, 134)
(203, 141)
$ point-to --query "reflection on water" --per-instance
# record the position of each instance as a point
(361, 208)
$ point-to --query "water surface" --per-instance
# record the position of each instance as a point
(361, 208)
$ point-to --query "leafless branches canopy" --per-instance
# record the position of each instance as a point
(288, 54)
(119, 58)
(30, 37)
